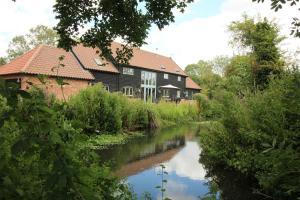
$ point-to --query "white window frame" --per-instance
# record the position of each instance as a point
(128, 91)
(178, 94)
(166, 76)
(106, 87)
(165, 93)
(179, 78)
(128, 71)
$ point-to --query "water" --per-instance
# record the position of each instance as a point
(177, 149)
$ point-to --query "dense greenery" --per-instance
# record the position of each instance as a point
(253, 113)
(41, 156)
(46, 146)
(98, 111)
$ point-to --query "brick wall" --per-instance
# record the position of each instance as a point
(51, 87)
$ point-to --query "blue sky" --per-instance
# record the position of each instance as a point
(199, 33)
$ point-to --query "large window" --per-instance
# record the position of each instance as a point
(166, 93)
(128, 91)
(128, 71)
(166, 76)
(148, 85)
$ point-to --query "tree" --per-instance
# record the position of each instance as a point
(38, 35)
(107, 20)
(260, 40)
(278, 4)
(3, 61)
(203, 74)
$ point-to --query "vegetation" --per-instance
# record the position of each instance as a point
(279, 4)
(46, 145)
(41, 157)
(253, 113)
(101, 18)
(22, 43)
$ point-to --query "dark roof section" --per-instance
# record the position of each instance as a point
(45, 60)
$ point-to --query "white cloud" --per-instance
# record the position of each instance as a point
(18, 17)
(185, 164)
(185, 42)
(205, 38)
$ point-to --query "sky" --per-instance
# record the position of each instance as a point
(199, 33)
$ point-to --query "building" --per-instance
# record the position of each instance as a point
(148, 75)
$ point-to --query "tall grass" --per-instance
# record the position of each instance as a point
(98, 111)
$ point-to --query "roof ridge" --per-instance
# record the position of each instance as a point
(37, 50)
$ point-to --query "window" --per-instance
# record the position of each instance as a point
(178, 93)
(128, 91)
(166, 93)
(179, 78)
(166, 76)
(106, 87)
(128, 71)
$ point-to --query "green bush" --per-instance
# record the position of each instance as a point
(258, 136)
(95, 110)
(40, 156)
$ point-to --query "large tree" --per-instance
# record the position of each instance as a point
(261, 40)
(38, 35)
(106, 20)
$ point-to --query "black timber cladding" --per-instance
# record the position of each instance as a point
(108, 79)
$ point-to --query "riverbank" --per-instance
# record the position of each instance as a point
(43, 153)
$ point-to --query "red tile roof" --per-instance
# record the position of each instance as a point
(190, 84)
(44, 60)
(148, 60)
(87, 56)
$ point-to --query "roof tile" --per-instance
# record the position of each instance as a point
(191, 84)
(45, 60)
(87, 56)
(148, 60)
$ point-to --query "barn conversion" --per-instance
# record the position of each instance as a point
(147, 75)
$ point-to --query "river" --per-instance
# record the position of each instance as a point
(177, 148)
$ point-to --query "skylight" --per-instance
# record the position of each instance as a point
(98, 61)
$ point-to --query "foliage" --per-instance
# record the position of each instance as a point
(3, 61)
(252, 134)
(40, 156)
(184, 112)
(95, 110)
(258, 137)
(102, 21)
(38, 35)
(261, 39)
(203, 73)
(278, 4)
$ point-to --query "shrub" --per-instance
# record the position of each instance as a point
(95, 110)
(258, 136)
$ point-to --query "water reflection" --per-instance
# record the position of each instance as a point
(177, 149)
(185, 163)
